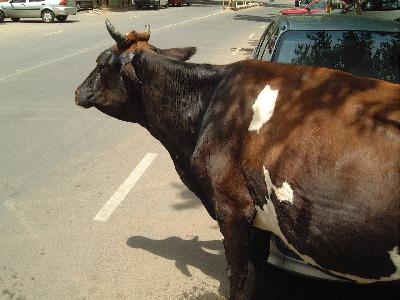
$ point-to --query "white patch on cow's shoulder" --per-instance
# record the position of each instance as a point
(283, 193)
(263, 108)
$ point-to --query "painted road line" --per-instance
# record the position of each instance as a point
(55, 32)
(188, 21)
(18, 72)
(116, 199)
(10, 205)
(236, 51)
(251, 35)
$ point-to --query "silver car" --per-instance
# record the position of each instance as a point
(48, 10)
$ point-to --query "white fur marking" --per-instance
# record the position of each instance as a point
(263, 108)
(395, 257)
(283, 193)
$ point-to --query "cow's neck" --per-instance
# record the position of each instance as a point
(175, 98)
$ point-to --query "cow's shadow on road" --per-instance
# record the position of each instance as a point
(208, 256)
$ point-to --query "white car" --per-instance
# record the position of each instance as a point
(48, 10)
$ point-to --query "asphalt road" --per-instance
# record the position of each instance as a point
(59, 166)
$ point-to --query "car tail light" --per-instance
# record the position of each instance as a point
(63, 2)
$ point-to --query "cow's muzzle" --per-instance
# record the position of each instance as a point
(82, 100)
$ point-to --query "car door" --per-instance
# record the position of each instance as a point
(18, 9)
(34, 8)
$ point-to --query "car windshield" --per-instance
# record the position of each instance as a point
(367, 54)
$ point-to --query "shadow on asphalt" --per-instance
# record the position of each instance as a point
(208, 256)
(252, 18)
(277, 5)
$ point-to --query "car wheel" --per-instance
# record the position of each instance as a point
(62, 18)
(48, 16)
(1, 17)
(78, 6)
(15, 19)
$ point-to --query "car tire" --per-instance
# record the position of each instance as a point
(78, 6)
(1, 17)
(15, 19)
(47, 16)
(62, 18)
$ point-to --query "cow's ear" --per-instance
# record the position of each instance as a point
(127, 66)
(181, 54)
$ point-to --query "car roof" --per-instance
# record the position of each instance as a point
(336, 22)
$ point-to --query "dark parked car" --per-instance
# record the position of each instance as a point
(151, 3)
(179, 2)
(84, 4)
(360, 45)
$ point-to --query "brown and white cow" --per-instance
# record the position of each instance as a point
(309, 154)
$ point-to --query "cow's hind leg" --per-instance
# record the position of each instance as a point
(236, 226)
(259, 257)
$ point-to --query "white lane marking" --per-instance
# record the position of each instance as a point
(55, 32)
(263, 108)
(116, 199)
(251, 35)
(189, 20)
(96, 47)
(18, 72)
(263, 26)
(10, 205)
(236, 51)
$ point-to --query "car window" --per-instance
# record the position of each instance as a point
(368, 54)
(19, 1)
(390, 5)
(268, 44)
(36, 0)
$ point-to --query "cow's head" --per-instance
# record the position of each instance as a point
(113, 87)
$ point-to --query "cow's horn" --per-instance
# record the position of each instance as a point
(117, 36)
